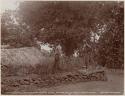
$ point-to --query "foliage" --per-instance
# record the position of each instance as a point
(111, 48)
(63, 23)
(69, 24)
(13, 32)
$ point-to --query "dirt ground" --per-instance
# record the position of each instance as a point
(114, 85)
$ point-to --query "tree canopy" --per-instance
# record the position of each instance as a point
(67, 23)
(14, 32)
(111, 47)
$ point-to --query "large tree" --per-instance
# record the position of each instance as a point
(67, 23)
(111, 43)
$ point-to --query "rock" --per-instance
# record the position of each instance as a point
(22, 82)
(15, 85)
(36, 82)
(69, 75)
(26, 79)
(93, 78)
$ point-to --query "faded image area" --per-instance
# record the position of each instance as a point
(62, 48)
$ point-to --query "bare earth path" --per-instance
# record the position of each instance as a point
(114, 85)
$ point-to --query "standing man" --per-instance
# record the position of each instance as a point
(87, 51)
(57, 59)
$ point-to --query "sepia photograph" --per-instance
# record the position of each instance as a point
(62, 47)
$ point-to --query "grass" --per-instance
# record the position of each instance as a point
(114, 84)
(21, 62)
(28, 60)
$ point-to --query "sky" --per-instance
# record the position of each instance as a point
(9, 4)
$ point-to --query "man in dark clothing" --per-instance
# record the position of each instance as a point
(57, 60)
(87, 52)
